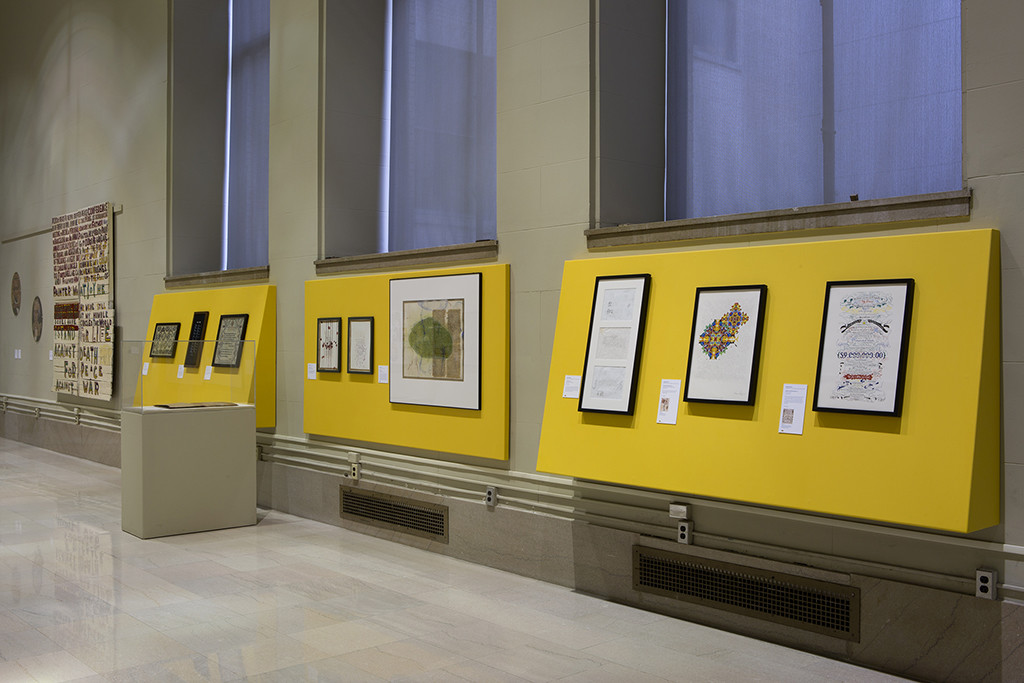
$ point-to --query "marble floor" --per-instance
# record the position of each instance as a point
(294, 600)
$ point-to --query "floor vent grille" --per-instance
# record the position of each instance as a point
(428, 520)
(819, 606)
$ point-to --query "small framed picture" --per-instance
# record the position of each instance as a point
(611, 365)
(360, 345)
(328, 344)
(725, 344)
(165, 340)
(196, 335)
(230, 335)
(862, 354)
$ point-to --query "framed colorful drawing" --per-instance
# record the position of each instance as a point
(165, 340)
(328, 345)
(435, 341)
(230, 335)
(725, 344)
(862, 354)
(360, 345)
(612, 361)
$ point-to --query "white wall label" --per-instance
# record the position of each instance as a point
(571, 386)
(668, 402)
(791, 418)
(382, 374)
(181, 371)
(145, 369)
(310, 370)
(209, 372)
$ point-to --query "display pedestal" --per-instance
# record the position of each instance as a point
(187, 469)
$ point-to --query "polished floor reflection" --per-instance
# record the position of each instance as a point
(294, 600)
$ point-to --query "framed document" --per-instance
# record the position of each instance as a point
(360, 345)
(230, 335)
(862, 356)
(725, 344)
(612, 361)
(328, 345)
(165, 340)
(435, 341)
(196, 335)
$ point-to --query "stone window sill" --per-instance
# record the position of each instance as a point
(218, 277)
(482, 250)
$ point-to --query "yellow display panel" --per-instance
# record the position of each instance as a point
(936, 466)
(356, 407)
(257, 376)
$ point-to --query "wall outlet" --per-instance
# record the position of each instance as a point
(353, 471)
(685, 533)
(679, 510)
(985, 583)
(491, 496)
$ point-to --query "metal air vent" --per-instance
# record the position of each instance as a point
(819, 606)
(428, 520)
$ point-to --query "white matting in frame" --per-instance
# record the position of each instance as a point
(612, 362)
(725, 344)
(862, 357)
(434, 350)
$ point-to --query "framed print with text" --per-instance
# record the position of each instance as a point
(360, 345)
(230, 335)
(196, 335)
(862, 355)
(435, 340)
(725, 344)
(612, 361)
(328, 345)
(165, 340)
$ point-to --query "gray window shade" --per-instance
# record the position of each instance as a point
(776, 105)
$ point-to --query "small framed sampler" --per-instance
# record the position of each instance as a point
(612, 361)
(435, 341)
(360, 345)
(328, 345)
(862, 356)
(725, 344)
(230, 335)
(196, 335)
(165, 340)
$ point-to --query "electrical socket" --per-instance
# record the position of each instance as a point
(685, 534)
(491, 496)
(679, 510)
(985, 583)
(353, 471)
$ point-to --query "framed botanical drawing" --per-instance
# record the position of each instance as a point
(862, 355)
(435, 341)
(328, 345)
(612, 361)
(165, 340)
(725, 344)
(360, 345)
(230, 335)
(196, 335)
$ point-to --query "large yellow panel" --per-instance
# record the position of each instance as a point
(937, 466)
(255, 379)
(356, 407)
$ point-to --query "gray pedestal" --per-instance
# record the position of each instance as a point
(187, 470)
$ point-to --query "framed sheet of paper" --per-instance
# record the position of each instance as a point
(196, 335)
(360, 345)
(230, 335)
(165, 340)
(612, 360)
(435, 340)
(328, 345)
(862, 355)
(725, 344)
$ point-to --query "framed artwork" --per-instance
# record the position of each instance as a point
(862, 356)
(165, 340)
(230, 335)
(37, 319)
(196, 335)
(612, 361)
(328, 344)
(725, 344)
(435, 341)
(16, 293)
(360, 345)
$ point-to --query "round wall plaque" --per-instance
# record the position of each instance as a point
(37, 318)
(16, 293)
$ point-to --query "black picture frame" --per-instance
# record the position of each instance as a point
(713, 375)
(857, 374)
(328, 349)
(360, 332)
(618, 317)
(165, 340)
(230, 335)
(196, 335)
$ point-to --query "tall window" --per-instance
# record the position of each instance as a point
(804, 102)
(220, 135)
(410, 124)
